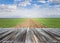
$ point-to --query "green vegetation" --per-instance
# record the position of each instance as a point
(49, 22)
(10, 22)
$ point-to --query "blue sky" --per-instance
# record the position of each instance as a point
(29, 8)
(6, 1)
(38, 2)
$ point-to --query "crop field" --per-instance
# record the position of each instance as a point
(30, 22)
(10, 22)
(49, 22)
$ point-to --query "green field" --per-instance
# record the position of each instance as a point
(49, 22)
(10, 22)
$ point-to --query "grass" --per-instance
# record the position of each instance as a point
(49, 22)
(10, 22)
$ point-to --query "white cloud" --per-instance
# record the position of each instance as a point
(7, 8)
(57, 1)
(12, 6)
(32, 13)
(11, 11)
(28, 0)
(25, 3)
(36, 6)
(55, 6)
(42, 1)
(17, 0)
(24, 0)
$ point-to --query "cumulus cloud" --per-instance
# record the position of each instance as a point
(36, 6)
(46, 3)
(7, 8)
(23, 3)
(12, 6)
(56, 1)
(42, 1)
(32, 13)
(12, 11)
